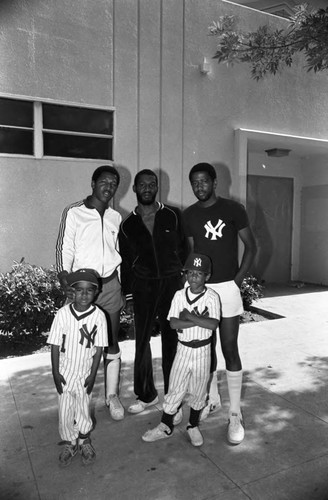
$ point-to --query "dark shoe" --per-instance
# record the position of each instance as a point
(87, 452)
(66, 456)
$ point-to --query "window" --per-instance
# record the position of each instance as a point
(55, 130)
(16, 127)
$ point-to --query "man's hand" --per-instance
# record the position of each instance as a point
(59, 382)
(129, 307)
(68, 290)
(89, 383)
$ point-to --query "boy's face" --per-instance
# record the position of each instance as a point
(196, 280)
(85, 293)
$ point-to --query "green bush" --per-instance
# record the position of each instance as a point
(29, 298)
(251, 290)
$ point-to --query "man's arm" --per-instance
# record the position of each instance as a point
(248, 240)
(126, 265)
(65, 250)
(183, 243)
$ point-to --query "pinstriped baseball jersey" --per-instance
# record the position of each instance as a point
(78, 335)
(206, 303)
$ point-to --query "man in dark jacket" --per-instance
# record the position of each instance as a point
(153, 249)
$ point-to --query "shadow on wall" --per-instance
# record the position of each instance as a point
(164, 191)
(223, 180)
(124, 188)
(223, 184)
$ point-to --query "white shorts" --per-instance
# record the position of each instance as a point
(230, 297)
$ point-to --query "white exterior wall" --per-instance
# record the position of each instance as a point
(141, 57)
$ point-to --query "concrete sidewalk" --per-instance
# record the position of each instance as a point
(283, 457)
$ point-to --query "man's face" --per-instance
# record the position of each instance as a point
(203, 185)
(146, 189)
(105, 187)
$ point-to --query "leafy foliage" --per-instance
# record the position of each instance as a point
(251, 290)
(266, 50)
(29, 298)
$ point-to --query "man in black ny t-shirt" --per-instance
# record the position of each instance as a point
(213, 226)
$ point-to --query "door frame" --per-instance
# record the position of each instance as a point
(244, 139)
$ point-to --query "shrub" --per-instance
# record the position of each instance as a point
(251, 290)
(29, 298)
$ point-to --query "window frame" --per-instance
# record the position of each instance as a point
(38, 129)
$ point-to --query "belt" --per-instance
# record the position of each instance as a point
(196, 343)
(109, 278)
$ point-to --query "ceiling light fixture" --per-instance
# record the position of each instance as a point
(277, 152)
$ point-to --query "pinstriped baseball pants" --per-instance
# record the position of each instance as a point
(74, 411)
(189, 374)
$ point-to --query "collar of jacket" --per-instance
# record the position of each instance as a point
(159, 207)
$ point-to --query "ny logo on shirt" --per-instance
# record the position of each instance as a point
(205, 313)
(89, 336)
(215, 231)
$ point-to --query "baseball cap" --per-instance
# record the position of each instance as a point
(198, 262)
(89, 275)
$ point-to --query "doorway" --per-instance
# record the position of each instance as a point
(270, 210)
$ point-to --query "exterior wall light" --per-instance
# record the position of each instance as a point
(205, 66)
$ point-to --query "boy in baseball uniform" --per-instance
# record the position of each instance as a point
(195, 314)
(78, 335)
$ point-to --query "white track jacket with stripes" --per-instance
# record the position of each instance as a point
(87, 240)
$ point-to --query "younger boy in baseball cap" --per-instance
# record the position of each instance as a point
(194, 313)
(78, 335)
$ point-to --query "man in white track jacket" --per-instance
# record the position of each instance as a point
(88, 238)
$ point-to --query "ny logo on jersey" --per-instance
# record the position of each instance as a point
(205, 313)
(215, 231)
(89, 336)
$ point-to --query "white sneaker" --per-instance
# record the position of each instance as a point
(162, 431)
(195, 435)
(210, 408)
(115, 407)
(140, 406)
(236, 432)
(177, 419)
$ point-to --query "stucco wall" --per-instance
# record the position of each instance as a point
(142, 57)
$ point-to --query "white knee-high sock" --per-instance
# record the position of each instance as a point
(213, 393)
(234, 380)
(112, 374)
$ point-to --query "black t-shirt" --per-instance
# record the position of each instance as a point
(215, 233)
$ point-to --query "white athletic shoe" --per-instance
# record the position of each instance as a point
(162, 431)
(140, 406)
(115, 407)
(195, 435)
(236, 431)
(177, 419)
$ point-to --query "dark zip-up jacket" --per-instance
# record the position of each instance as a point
(152, 256)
